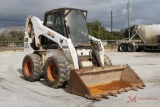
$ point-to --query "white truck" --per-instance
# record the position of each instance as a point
(149, 35)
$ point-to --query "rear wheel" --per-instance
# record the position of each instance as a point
(122, 48)
(56, 71)
(131, 48)
(32, 67)
(107, 61)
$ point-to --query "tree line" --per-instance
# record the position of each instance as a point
(11, 36)
(95, 29)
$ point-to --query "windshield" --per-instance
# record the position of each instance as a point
(78, 28)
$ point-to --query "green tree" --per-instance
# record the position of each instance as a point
(12, 36)
(117, 35)
(16, 35)
(125, 31)
(97, 30)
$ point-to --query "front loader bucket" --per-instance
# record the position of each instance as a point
(100, 82)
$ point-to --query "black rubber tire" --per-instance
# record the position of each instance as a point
(122, 48)
(131, 48)
(139, 49)
(32, 67)
(107, 61)
(56, 71)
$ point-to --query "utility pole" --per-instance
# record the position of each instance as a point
(112, 25)
(128, 20)
(112, 31)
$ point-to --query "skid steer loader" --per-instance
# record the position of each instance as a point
(61, 50)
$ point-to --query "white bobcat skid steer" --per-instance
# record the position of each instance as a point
(61, 50)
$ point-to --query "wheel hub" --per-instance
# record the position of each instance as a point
(52, 72)
(28, 68)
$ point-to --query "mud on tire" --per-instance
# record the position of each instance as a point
(32, 67)
(56, 71)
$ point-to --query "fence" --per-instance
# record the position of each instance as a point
(11, 45)
(110, 45)
(18, 46)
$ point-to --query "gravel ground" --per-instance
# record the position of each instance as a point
(17, 92)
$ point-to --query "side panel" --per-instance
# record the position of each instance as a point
(64, 43)
(27, 47)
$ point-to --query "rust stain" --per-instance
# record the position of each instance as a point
(115, 85)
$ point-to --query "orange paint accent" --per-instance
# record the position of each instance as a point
(49, 33)
(108, 87)
(51, 76)
(26, 68)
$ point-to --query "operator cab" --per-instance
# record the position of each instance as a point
(70, 23)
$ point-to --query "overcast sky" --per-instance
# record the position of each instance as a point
(14, 12)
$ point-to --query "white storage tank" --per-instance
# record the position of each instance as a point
(149, 34)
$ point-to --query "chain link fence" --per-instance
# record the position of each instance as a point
(110, 45)
(11, 46)
(19, 46)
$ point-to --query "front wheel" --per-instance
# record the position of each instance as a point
(122, 48)
(32, 67)
(56, 71)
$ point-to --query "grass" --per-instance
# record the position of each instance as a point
(111, 47)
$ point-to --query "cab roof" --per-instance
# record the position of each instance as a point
(65, 8)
